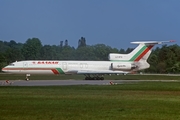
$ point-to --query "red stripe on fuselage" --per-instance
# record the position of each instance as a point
(142, 54)
(26, 68)
(55, 71)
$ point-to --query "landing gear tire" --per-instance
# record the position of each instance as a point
(94, 78)
(87, 78)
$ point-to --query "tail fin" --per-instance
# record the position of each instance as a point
(142, 51)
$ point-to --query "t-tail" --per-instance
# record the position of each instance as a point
(139, 55)
(142, 51)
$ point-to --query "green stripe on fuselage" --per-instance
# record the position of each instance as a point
(60, 70)
(138, 53)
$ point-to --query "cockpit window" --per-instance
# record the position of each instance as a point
(11, 64)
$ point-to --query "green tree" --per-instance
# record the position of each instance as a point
(129, 50)
(122, 51)
(67, 53)
(175, 68)
(102, 51)
(31, 49)
(47, 53)
(85, 53)
(161, 67)
(3, 46)
(2, 61)
(82, 42)
(13, 55)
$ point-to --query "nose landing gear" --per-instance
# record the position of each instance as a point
(27, 77)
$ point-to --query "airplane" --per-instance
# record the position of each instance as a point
(93, 70)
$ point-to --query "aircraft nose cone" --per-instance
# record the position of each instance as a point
(4, 69)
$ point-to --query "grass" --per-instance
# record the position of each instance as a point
(142, 101)
(80, 77)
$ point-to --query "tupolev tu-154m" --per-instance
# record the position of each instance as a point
(93, 70)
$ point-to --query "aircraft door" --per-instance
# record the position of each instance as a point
(25, 65)
(64, 64)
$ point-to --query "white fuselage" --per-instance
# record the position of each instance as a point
(68, 67)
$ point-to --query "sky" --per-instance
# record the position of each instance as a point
(111, 22)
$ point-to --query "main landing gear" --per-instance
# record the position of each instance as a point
(95, 77)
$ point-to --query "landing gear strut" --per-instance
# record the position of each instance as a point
(27, 77)
(95, 77)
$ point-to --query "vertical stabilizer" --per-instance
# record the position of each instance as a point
(142, 51)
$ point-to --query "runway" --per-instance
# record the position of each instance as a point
(71, 82)
(54, 82)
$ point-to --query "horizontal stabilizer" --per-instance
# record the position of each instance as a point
(152, 42)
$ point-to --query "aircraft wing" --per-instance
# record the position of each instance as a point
(96, 72)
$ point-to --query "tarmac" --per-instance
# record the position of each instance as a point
(71, 82)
